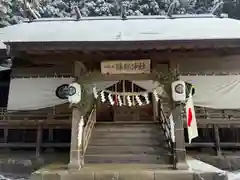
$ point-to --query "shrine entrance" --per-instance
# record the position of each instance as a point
(129, 110)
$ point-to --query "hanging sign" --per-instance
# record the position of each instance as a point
(126, 67)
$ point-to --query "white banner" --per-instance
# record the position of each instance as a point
(217, 92)
(35, 93)
(126, 67)
(210, 65)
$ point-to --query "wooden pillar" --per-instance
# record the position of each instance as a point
(5, 135)
(78, 111)
(39, 139)
(155, 108)
(217, 140)
(179, 124)
(50, 130)
(76, 155)
(179, 137)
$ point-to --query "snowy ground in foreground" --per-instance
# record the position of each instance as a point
(12, 177)
(194, 165)
(199, 166)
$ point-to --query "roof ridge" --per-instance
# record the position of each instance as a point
(129, 17)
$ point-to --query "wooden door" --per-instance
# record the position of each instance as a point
(104, 112)
(134, 113)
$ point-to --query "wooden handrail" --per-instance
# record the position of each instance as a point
(166, 127)
(167, 132)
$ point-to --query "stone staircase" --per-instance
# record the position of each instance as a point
(128, 143)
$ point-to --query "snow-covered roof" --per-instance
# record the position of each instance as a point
(2, 45)
(124, 30)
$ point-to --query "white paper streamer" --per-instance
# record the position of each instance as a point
(172, 124)
(110, 98)
(156, 95)
(119, 100)
(103, 99)
(138, 100)
(95, 94)
(129, 101)
(146, 98)
(80, 130)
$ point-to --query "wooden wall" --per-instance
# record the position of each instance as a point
(60, 70)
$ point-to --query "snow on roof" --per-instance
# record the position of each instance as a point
(124, 30)
(2, 46)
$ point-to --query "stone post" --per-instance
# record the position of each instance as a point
(179, 137)
(177, 108)
(76, 155)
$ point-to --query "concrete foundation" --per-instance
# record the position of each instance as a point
(121, 172)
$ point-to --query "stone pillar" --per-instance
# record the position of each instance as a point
(179, 137)
(76, 158)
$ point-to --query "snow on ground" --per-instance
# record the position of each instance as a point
(12, 177)
(199, 166)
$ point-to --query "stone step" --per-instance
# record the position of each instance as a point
(127, 142)
(127, 129)
(111, 171)
(100, 125)
(128, 122)
(127, 150)
(120, 135)
(127, 158)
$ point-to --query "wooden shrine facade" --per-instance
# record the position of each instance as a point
(78, 52)
(56, 63)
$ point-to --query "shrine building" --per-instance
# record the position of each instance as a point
(125, 68)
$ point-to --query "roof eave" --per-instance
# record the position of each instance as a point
(125, 45)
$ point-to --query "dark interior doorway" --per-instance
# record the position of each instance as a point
(4, 87)
(106, 112)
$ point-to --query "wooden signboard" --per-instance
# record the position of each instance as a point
(126, 67)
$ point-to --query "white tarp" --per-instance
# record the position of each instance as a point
(35, 93)
(210, 65)
(217, 92)
(150, 85)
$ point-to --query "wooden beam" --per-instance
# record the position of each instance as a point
(33, 145)
(212, 145)
(124, 55)
(42, 71)
(127, 45)
(92, 59)
(67, 145)
(32, 124)
(218, 121)
(115, 77)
